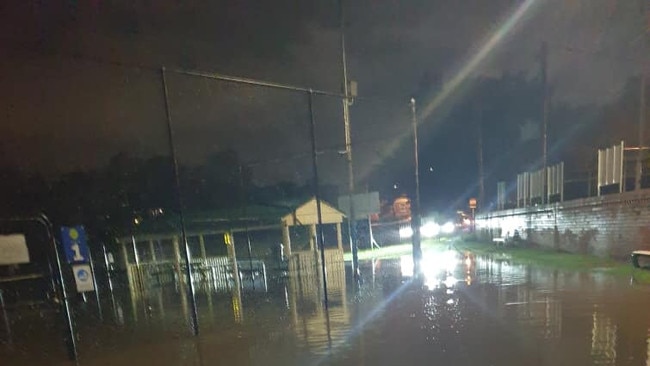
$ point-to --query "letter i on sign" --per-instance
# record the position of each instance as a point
(74, 235)
(77, 252)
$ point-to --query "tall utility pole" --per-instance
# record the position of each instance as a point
(481, 172)
(320, 237)
(645, 68)
(348, 148)
(416, 215)
(544, 73)
(194, 317)
(642, 111)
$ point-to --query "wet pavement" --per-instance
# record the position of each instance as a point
(464, 310)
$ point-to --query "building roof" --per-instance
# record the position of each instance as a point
(306, 214)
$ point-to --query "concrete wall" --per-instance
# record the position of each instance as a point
(607, 226)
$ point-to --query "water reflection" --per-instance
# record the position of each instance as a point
(464, 310)
(526, 307)
(648, 354)
(603, 339)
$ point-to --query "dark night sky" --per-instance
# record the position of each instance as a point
(62, 110)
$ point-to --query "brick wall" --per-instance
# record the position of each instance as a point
(607, 226)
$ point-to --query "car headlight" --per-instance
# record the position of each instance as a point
(430, 229)
(447, 228)
(405, 232)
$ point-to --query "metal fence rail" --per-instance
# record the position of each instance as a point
(214, 271)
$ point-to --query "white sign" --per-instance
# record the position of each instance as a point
(611, 164)
(83, 277)
(365, 204)
(13, 249)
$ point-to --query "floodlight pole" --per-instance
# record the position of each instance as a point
(415, 209)
(320, 237)
(179, 202)
(352, 229)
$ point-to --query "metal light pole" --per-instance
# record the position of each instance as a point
(481, 171)
(320, 237)
(244, 202)
(415, 210)
(544, 71)
(348, 147)
(645, 68)
(179, 201)
(640, 155)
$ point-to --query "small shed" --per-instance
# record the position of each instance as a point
(307, 215)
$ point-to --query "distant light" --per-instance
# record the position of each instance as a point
(406, 266)
(450, 281)
(430, 229)
(405, 232)
(447, 228)
(395, 186)
(430, 168)
(155, 212)
(136, 221)
(437, 264)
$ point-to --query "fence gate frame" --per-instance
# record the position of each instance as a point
(55, 275)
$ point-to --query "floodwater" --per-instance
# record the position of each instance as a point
(464, 310)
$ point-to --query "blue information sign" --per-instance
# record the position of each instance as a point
(74, 244)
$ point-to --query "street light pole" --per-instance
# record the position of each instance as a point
(415, 211)
(544, 72)
(481, 171)
(348, 148)
(194, 317)
(320, 237)
(640, 155)
(642, 107)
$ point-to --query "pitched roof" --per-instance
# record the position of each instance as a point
(306, 214)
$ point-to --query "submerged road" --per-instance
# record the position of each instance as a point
(465, 310)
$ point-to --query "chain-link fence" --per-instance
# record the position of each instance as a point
(224, 172)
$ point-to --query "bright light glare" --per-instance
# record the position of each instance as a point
(437, 264)
(406, 266)
(473, 63)
(405, 232)
(447, 228)
(430, 229)
(450, 281)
